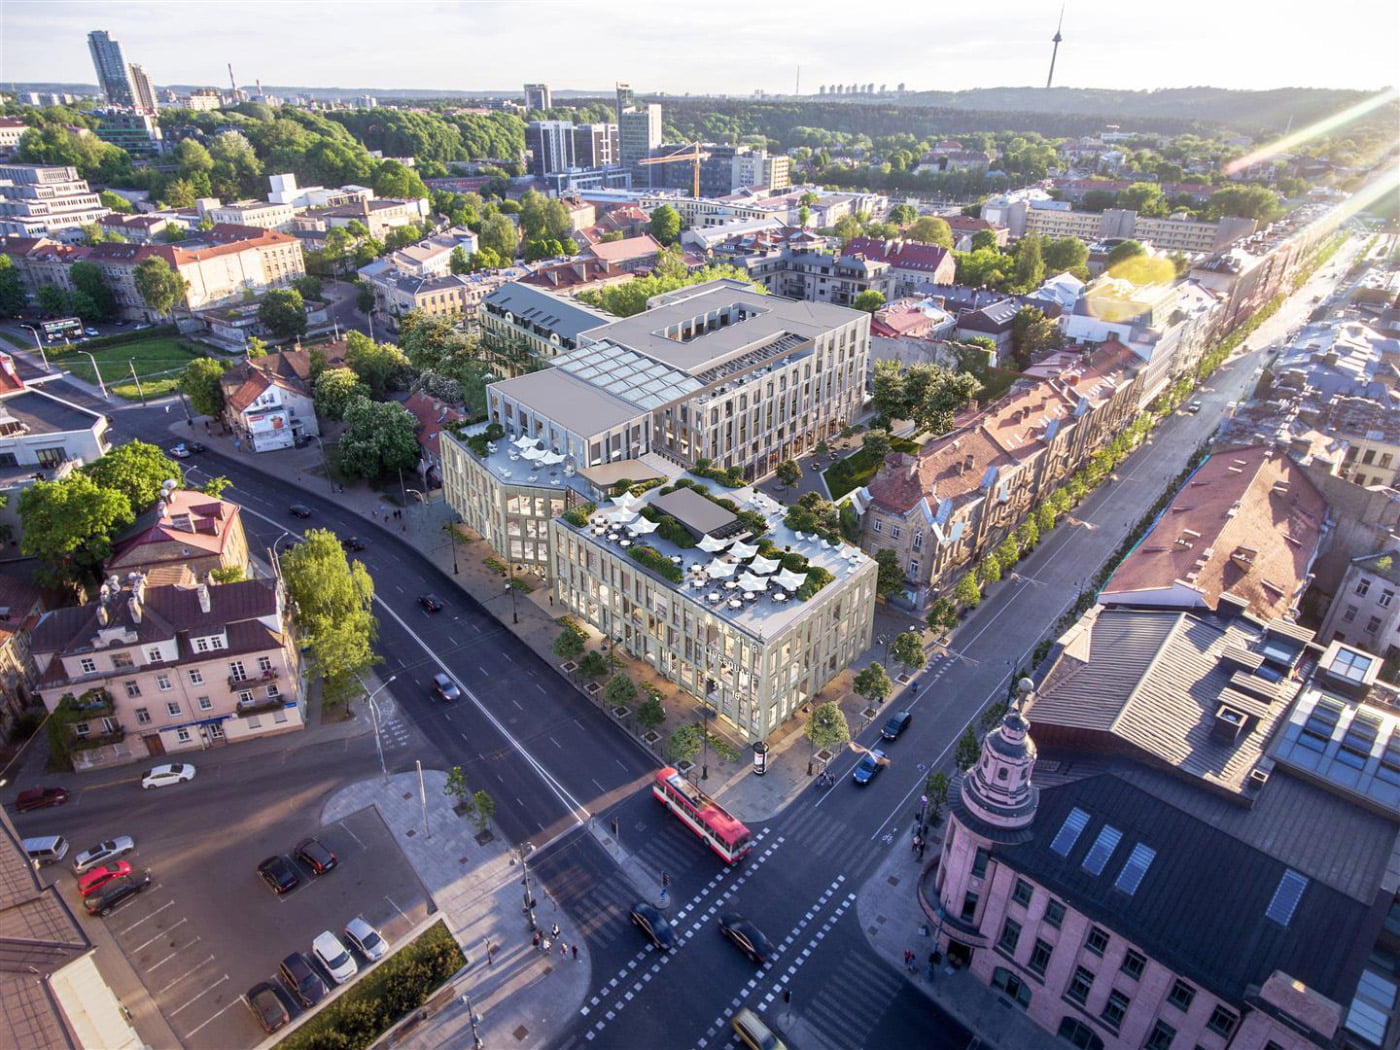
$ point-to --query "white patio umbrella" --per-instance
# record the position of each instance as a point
(534, 455)
(790, 581)
(751, 583)
(621, 516)
(763, 566)
(626, 499)
(552, 458)
(641, 527)
(711, 545)
(525, 441)
(719, 569)
(743, 550)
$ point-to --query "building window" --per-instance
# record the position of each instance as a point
(1078, 1034)
(1363, 586)
(205, 704)
(1373, 625)
(50, 457)
(279, 716)
(979, 863)
(87, 665)
(264, 663)
(1161, 1037)
(1054, 914)
(1010, 936)
(1222, 1022)
(1385, 599)
(216, 641)
(1016, 989)
(1133, 964)
(80, 729)
(143, 716)
(1080, 984)
(201, 645)
(878, 526)
(163, 683)
(1022, 893)
(153, 655)
(133, 690)
(1098, 941)
(245, 696)
(1115, 1009)
(969, 908)
(894, 532)
(172, 708)
(216, 731)
(183, 735)
(196, 676)
(122, 660)
(273, 692)
(1040, 957)
(236, 671)
(1181, 996)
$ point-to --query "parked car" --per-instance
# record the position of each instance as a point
(430, 602)
(102, 852)
(299, 510)
(868, 768)
(1194, 406)
(339, 963)
(444, 688)
(194, 447)
(316, 857)
(754, 1033)
(267, 1006)
(179, 451)
(365, 939)
(98, 877)
(170, 773)
(897, 724)
(352, 544)
(745, 936)
(91, 333)
(302, 980)
(652, 923)
(116, 893)
(278, 873)
(40, 798)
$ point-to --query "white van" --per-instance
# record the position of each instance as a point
(47, 849)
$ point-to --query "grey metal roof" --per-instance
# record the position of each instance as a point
(537, 306)
(43, 413)
(644, 382)
(1200, 908)
(698, 513)
(570, 401)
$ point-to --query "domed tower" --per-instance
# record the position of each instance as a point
(994, 808)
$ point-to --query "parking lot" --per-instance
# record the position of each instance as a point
(208, 927)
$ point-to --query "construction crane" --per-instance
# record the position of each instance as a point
(692, 153)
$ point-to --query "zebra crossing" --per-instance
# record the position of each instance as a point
(847, 1005)
(821, 835)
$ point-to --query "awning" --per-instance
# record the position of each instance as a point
(743, 550)
(718, 569)
(763, 566)
(710, 544)
(751, 583)
(789, 580)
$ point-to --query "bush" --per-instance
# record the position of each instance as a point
(657, 562)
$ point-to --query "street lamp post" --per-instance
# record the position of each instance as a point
(524, 851)
(882, 640)
(705, 738)
(510, 586)
(477, 1044)
(141, 393)
(100, 385)
(38, 345)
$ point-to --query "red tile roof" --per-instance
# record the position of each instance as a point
(432, 414)
(903, 255)
(629, 248)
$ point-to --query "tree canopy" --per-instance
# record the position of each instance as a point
(665, 224)
(335, 390)
(200, 383)
(380, 439)
(630, 297)
(383, 367)
(283, 313)
(136, 470)
(332, 600)
(159, 286)
(68, 524)
(928, 394)
(869, 300)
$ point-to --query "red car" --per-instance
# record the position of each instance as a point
(98, 877)
(39, 798)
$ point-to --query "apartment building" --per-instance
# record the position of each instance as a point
(959, 496)
(545, 324)
(20, 606)
(185, 530)
(1165, 234)
(457, 296)
(12, 129)
(638, 133)
(265, 215)
(1364, 612)
(167, 669)
(46, 201)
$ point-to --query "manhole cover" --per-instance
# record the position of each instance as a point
(894, 880)
(520, 1033)
(411, 832)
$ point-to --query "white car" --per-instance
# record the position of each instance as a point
(176, 773)
(103, 851)
(365, 939)
(338, 962)
(180, 452)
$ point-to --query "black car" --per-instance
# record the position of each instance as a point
(302, 980)
(898, 723)
(747, 937)
(278, 873)
(116, 893)
(267, 1006)
(654, 925)
(299, 510)
(195, 447)
(444, 688)
(316, 857)
(352, 543)
(431, 602)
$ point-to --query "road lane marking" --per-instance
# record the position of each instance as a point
(351, 834)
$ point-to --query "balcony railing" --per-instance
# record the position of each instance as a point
(256, 707)
(244, 681)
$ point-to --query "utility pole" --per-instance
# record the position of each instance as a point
(141, 393)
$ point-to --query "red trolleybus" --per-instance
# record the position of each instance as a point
(702, 814)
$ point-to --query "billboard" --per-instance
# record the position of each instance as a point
(62, 326)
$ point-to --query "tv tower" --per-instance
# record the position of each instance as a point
(1056, 40)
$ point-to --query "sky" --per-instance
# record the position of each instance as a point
(714, 46)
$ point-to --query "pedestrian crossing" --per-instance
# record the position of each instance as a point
(589, 909)
(394, 731)
(848, 1005)
(821, 835)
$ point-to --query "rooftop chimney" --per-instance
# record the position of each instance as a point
(133, 606)
(202, 591)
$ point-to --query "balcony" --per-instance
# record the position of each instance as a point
(247, 681)
(257, 707)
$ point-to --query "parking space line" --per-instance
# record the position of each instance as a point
(191, 970)
(194, 1031)
(158, 936)
(395, 906)
(172, 955)
(153, 914)
(201, 995)
(341, 825)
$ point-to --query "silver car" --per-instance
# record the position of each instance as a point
(102, 852)
(332, 955)
(365, 939)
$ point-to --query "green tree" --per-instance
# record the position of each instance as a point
(847, 227)
(620, 691)
(889, 580)
(456, 786)
(12, 294)
(364, 297)
(68, 524)
(1145, 198)
(942, 616)
(499, 235)
(88, 281)
(1031, 333)
(876, 445)
(283, 313)
(989, 569)
(160, 287)
(789, 473)
(826, 729)
(665, 224)
(458, 262)
(984, 268)
(382, 366)
(309, 285)
(215, 486)
(967, 592)
(331, 600)
(873, 685)
(380, 439)
(969, 749)
(1030, 264)
(685, 743)
(115, 201)
(1245, 202)
(984, 240)
(650, 713)
(937, 395)
(136, 470)
(484, 808)
(569, 645)
(1123, 252)
(869, 300)
(908, 650)
(889, 393)
(334, 391)
(1066, 255)
(930, 229)
(903, 214)
(200, 383)
(594, 665)
(393, 179)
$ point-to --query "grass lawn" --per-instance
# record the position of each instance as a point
(856, 470)
(17, 341)
(158, 362)
(997, 382)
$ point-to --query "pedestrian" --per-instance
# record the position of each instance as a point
(563, 948)
(535, 941)
(923, 803)
(554, 930)
(922, 844)
(574, 948)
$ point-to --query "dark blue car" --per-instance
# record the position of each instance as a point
(868, 768)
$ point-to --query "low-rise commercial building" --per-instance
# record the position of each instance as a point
(268, 400)
(265, 215)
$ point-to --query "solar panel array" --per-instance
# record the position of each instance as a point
(629, 375)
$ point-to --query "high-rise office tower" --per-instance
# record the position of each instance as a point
(624, 100)
(638, 133)
(537, 96)
(141, 89)
(551, 146)
(595, 145)
(113, 76)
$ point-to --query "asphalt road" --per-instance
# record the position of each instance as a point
(548, 757)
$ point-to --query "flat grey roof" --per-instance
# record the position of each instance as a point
(45, 414)
(769, 318)
(569, 401)
(700, 515)
(543, 308)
